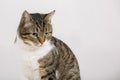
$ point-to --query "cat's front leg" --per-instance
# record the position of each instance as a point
(42, 71)
(48, 72)
(47, 66)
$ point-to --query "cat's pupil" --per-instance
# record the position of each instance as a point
(34, 34)
(46, 33)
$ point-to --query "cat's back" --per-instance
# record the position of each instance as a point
(67, 63)
(60, 45)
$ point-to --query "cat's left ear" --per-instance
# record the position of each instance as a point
(25, 17)
(49, 16)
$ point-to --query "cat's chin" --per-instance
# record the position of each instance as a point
(25, 47)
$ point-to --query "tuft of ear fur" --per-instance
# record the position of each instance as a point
(49, 16)
(26, 17)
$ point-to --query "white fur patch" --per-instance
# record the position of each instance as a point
(30, 56)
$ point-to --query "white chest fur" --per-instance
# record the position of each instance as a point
(30, 60)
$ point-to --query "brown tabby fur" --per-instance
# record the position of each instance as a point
(60, 60)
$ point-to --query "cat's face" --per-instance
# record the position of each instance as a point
(35, 29)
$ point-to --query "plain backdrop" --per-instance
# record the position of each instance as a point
(90, 27)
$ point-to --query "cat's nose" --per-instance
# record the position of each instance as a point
(41, 40)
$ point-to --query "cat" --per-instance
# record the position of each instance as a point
(44, 56)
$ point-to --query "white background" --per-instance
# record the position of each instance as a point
(90, 27)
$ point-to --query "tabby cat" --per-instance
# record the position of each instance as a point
(44, 56)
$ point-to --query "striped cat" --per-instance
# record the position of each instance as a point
(44, 56)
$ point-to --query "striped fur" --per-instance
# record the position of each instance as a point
(58, 64)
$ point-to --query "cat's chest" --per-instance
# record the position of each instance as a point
(30, 58)
(30, 66)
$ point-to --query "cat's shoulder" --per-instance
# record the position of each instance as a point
(58, 42)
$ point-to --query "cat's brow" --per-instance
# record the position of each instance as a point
(37, 16)
(37, 23)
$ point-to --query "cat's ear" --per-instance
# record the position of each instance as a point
(49, 16)
(26, 17)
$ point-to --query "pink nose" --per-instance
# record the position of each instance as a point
(42, 40)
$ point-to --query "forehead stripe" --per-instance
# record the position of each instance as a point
(36, 16)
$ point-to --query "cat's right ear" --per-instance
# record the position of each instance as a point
(49, 16)
(26, 17)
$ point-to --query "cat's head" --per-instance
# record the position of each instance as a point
(35, 28)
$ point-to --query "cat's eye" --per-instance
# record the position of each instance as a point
(35, 34)
(46, 33)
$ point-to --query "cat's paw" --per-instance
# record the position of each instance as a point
(42, 71)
